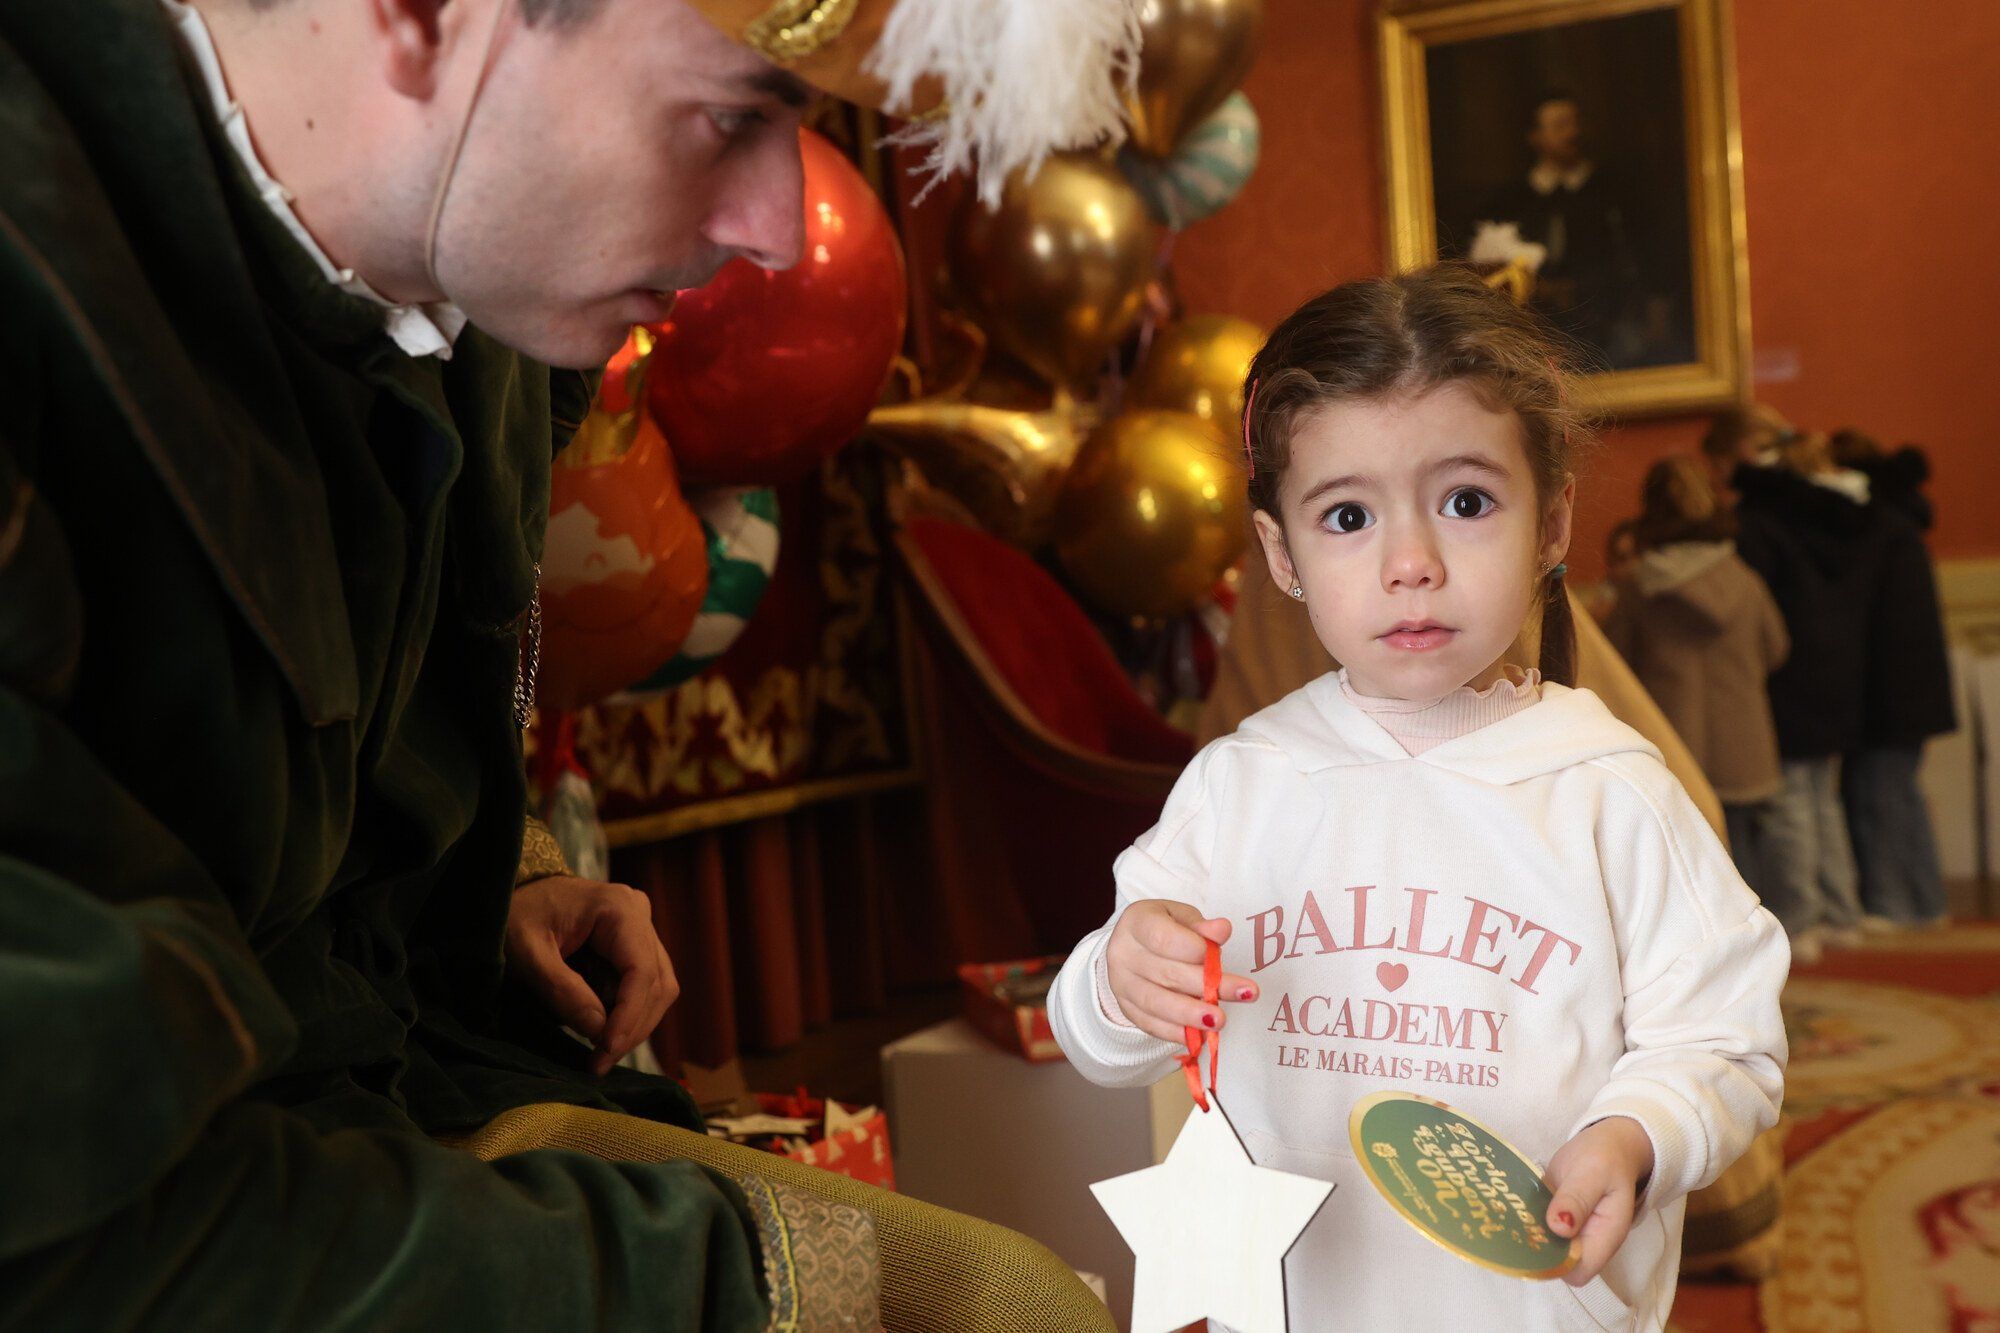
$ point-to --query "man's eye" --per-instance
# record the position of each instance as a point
(734, 122)
(1468, 502)
(1348, 518)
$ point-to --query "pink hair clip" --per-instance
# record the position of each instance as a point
(1249, 406)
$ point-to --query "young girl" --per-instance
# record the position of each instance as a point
(1433, 871)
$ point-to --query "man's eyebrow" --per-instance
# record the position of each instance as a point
(786, 87)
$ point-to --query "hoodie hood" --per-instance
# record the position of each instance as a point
(1703, 577)
(1318, 727)
(1665, 568)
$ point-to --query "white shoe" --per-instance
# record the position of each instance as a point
(1881, 925)
(1808, 945)
(1843, 937)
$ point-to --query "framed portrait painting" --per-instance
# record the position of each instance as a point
(1588, 151)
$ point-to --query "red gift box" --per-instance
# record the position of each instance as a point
(1009, 1003)
(860, 1152)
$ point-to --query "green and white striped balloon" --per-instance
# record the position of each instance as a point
(1207, 170)
(741, 527)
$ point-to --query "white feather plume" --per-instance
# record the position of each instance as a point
(1021, 79)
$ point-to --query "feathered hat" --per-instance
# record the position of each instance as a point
(999, 83)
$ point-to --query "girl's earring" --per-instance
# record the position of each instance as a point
(1298, 593)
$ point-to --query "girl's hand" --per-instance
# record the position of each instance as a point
(1154, 965)
(1595, 1178)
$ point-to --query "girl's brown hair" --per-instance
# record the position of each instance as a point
(1408, 334)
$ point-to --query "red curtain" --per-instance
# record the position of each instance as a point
(780, 925)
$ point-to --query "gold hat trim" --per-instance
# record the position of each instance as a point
(791, 30)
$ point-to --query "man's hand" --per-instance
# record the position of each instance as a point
(1595, 1178)
(552, 918)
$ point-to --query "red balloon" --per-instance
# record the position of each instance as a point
(624, 571)
(760, 375)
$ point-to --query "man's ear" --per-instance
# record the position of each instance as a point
(412, 40)
(1277, 556)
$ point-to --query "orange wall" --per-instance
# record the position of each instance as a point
(1871, 148)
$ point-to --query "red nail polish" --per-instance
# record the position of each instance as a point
(1208, 1020)
(1245, 993)
(1566, 1218)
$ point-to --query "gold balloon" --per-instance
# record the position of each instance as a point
(1007, 466)
(1199, 366)
(1058, 272)
(1153, 514)
(1195, 54)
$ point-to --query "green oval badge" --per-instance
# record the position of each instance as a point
(1459, 1183)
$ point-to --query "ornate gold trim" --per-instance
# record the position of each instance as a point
(751, 805)
(541, 855)
(791, 30)
(1717, 227)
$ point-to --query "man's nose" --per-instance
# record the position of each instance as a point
(761, 212)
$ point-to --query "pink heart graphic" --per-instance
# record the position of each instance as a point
(1392, 975)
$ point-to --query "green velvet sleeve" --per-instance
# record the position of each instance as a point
(268, 1224)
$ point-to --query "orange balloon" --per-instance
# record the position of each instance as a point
(625, 564)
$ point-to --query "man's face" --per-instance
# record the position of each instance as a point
(1557, 133)
(611, 163)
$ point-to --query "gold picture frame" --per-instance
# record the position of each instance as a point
(1664, 348)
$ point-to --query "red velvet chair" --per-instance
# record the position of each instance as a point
(1041, 762)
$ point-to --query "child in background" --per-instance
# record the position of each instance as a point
(1435, 871)
(1700, 629)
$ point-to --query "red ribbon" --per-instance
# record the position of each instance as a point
(1211, 990)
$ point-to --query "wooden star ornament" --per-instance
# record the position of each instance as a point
(1210, 1230)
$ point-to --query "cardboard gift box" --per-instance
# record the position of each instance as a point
(1009, 1003)
(853, 1141)
(981, 1131)
(847, 1140)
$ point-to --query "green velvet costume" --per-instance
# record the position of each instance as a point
(261, 577)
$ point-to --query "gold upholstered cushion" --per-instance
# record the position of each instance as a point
(942, 1272)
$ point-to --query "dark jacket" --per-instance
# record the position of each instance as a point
(260, 787)
(1821, 555)
(1897, 480)
(1702, 633)
(1909, 666)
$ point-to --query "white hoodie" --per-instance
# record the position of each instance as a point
(1531, 922)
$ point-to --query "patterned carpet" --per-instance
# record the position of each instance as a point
(1892, 1181)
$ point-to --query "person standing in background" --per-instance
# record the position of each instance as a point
(1805, 527)
(1909, 694)
(1704, 635)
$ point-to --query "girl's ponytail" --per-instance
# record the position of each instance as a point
(1558, 655)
